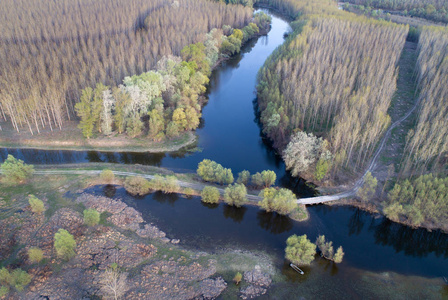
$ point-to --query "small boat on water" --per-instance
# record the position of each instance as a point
(296, 268)
(445, 279)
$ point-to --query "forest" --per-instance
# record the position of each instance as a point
(335, 79)
(427, 144)
(436, 10)
(51, 50)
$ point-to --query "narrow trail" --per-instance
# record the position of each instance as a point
(352, 192)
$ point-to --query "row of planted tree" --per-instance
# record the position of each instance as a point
(50, 51)
(324, 98)
(166, 100)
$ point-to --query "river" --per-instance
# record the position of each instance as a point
(382, 258)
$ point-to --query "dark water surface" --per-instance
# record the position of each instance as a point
(231, 136)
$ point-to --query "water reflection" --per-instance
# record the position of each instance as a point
(109, 190)
(274, 222)
(234, 213)
(414, 242)
(356, 222)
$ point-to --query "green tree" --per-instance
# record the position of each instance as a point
(393, 211)
(257, 180)
(65, 244)
(15, 171)
(35, 255)
(299, 250)
(156, 123)
(367, 191)
(134, 126)
(172, 130)
(84, 111)
(339, 255)
(322, 168)
(136, 185)
(91, 217)
(107, 176)
(211, 171)
(97, 105)
(37, 206)
(268, 178)
(210, 194)
(243, 177)
(282, 201)
(237, 278)
(235, 195)
(122, 101)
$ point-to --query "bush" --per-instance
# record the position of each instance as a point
(37, 206)
(35, 255)
(210, 194)
(282, 201)
(91, 217)
(243, 177)
(17, 279)
(166, 184)
(299, 250)
(4, 290)
(15, 171)
(65, 244)
(189, 191)
(327, 251)
(367, 191)
(237, 278)
(136, 185)
(235, 194)
(107, 176)
(211, 171)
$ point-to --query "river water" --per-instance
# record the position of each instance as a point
(382, 258)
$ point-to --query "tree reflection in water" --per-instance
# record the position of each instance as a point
(109, 190)
(166, 198)
(234, 213)
(273, 222)
(414, 242)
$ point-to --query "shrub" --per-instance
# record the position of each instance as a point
(15, 171)
(189, 191)
(367, 191)
(37, 206)
(300, 250)
(107, 176)
(136, 185)
(243, 177)
(17, 279)
(327, 251)
(211, 171)
(91, 217)
(210, 194)
(282, 201)
(65, 244)
(237, 278)
(35, 255)
(4, 290)
(235, 194)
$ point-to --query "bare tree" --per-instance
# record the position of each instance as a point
(114, 283)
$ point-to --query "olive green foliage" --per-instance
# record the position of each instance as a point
(367, 191)
(426, 144)
(282, 201)
(37, 206)
(17, 279)
(189, 191)
(211, 171)
(137, 185)
(327, 251)
(243, 177)
(167, 184)
(35, 255)
(235, 194)
(15, 171)
(65, 244)
(238, 277)
(45, 67)
(436, 10)
(322, 168)
(424, 198)
(107, 176)
(307, 86)
(264, 179)
(210, 194)
(4, 290)
(300, 250)
(91, 217)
